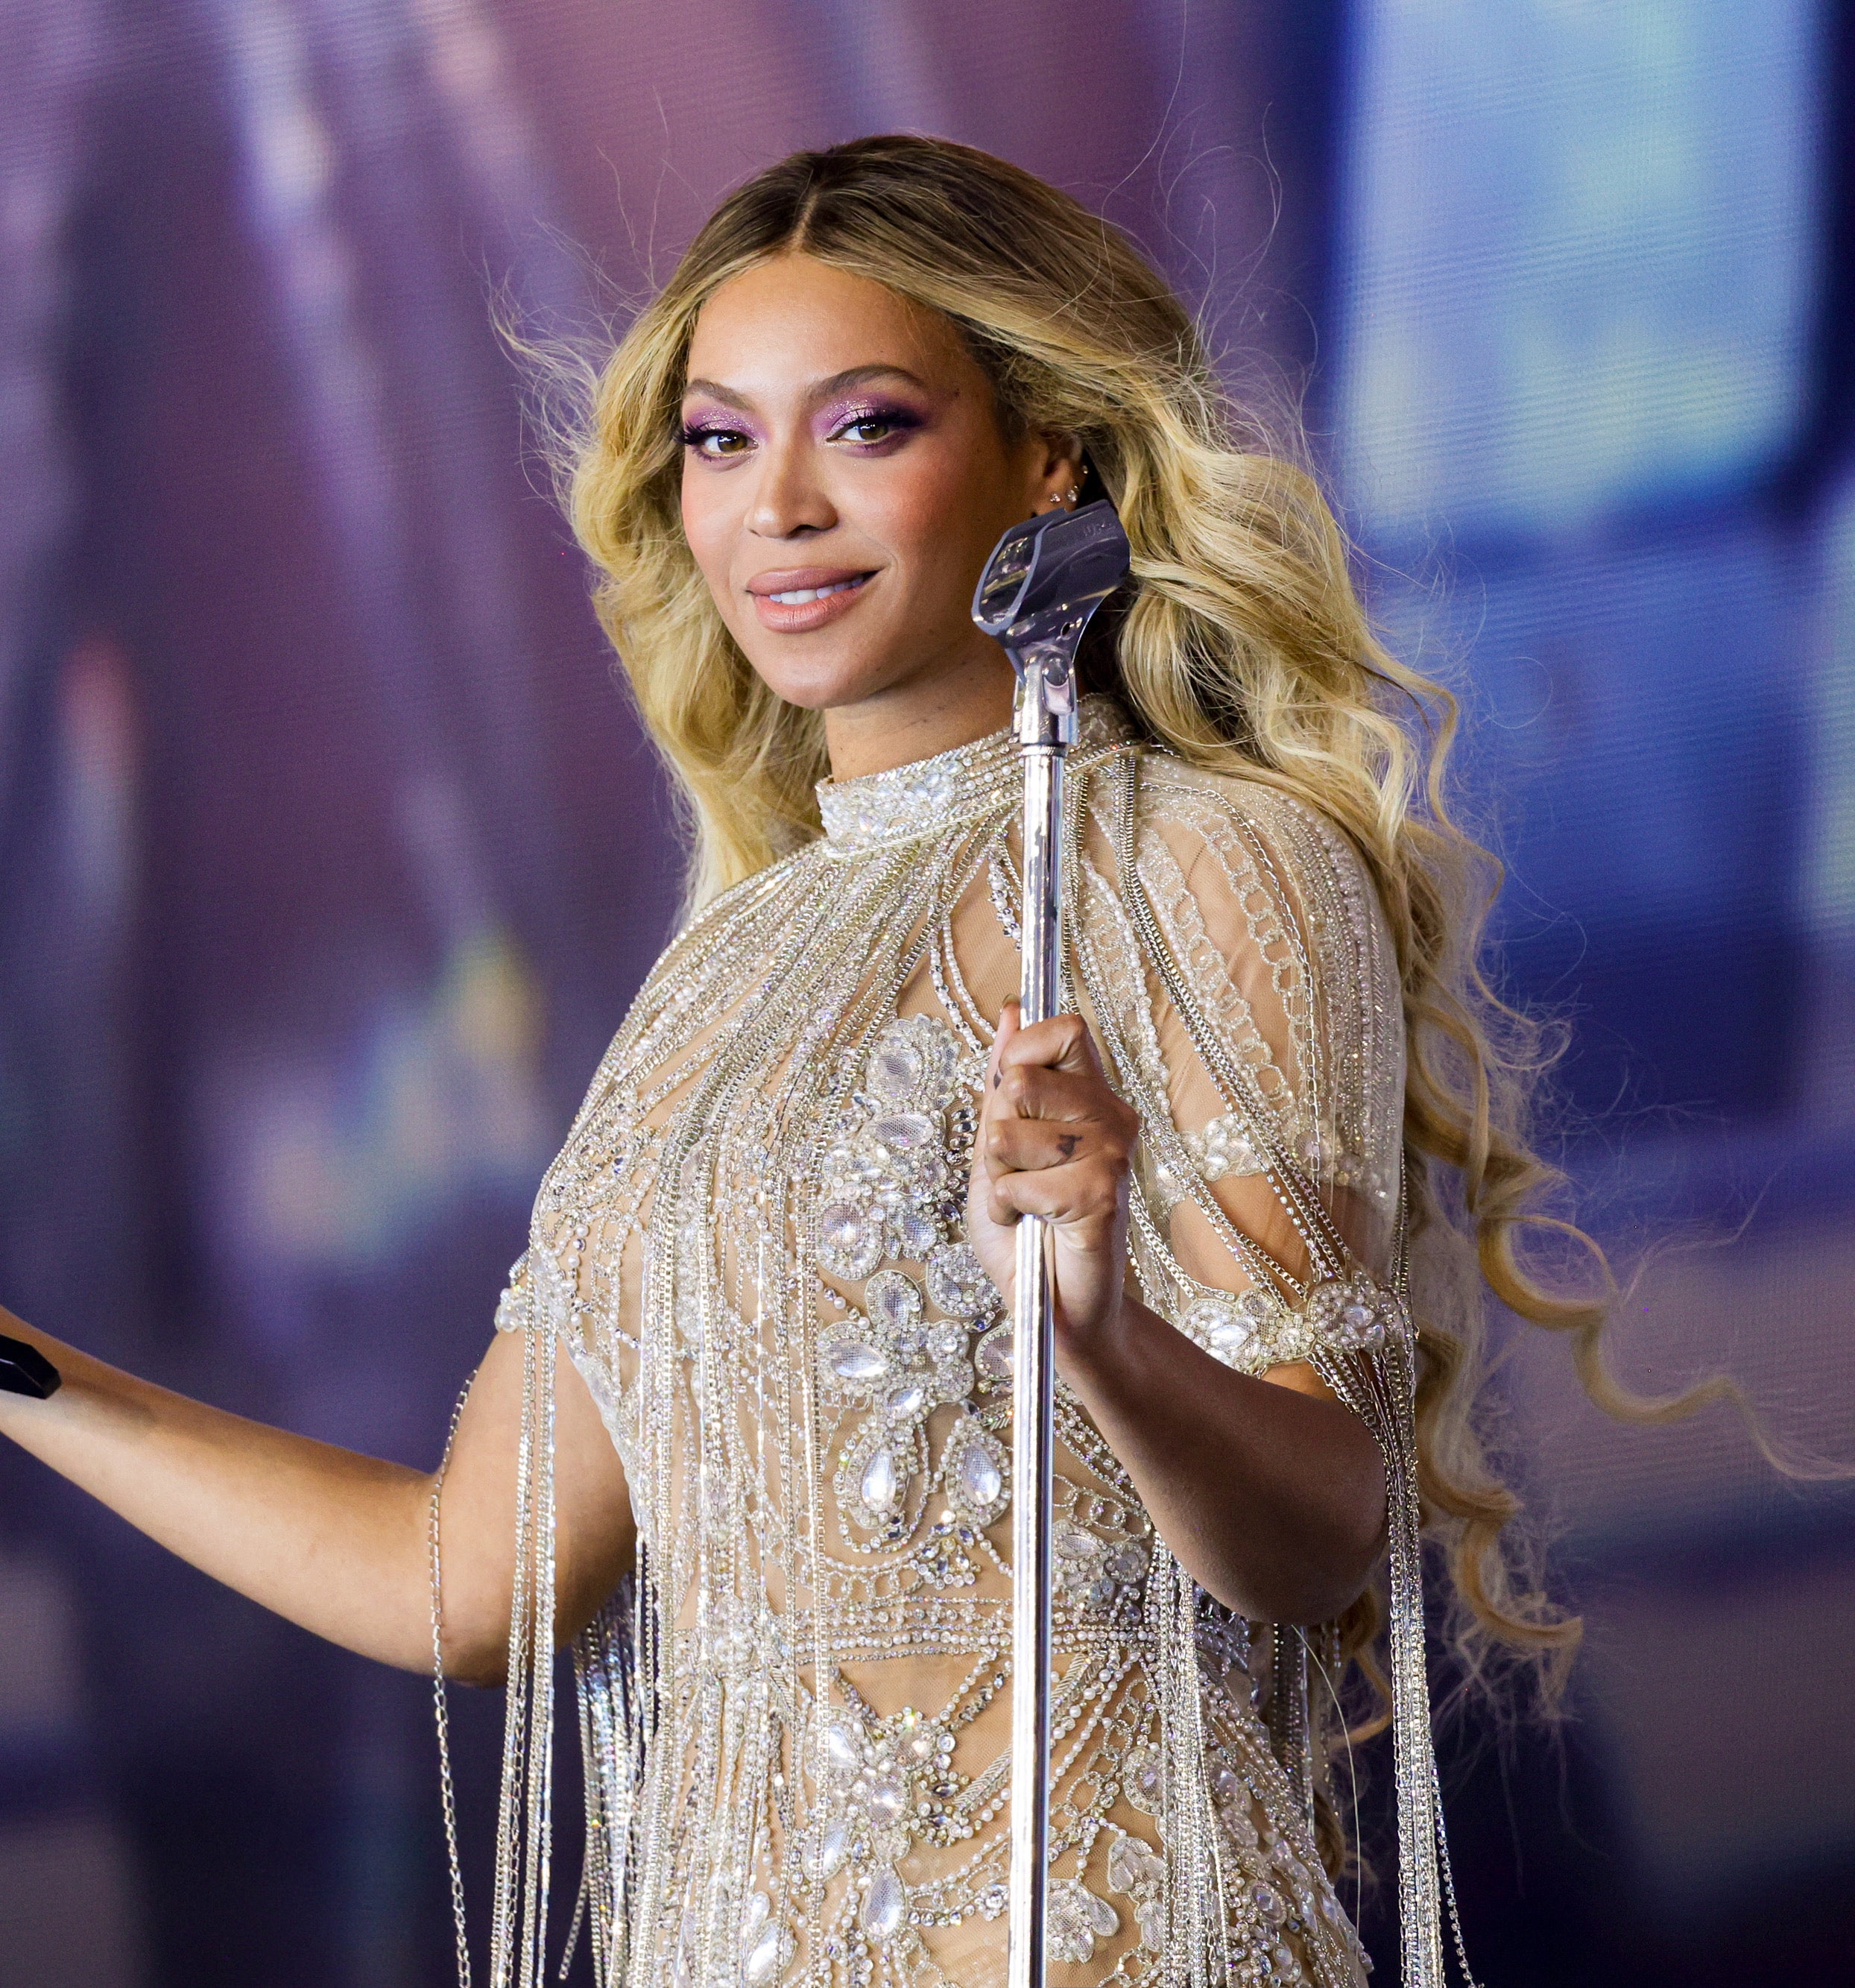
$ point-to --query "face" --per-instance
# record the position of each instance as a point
(845, 477)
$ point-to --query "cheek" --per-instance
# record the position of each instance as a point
(927, 510)
(707, 525)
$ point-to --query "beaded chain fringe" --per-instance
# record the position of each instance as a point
(752, 1249)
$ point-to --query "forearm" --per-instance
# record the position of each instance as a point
(1273, 1500)
(334, 1540)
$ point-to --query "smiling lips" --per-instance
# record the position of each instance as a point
(801, 599)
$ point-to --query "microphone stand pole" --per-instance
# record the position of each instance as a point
(1043, 583)
(1046, 726)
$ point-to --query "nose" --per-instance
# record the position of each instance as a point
(789, 499)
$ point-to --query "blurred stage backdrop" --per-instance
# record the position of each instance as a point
(329, 856)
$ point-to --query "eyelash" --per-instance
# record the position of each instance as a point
(897, 420)
(696, 433)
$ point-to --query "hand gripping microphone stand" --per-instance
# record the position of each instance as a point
(1045, 579)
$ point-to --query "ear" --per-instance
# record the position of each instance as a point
(1059, 471)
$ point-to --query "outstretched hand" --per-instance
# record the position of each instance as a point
(1054, 1140)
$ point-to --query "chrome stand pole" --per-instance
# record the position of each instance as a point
(1046, 577)
(1046, 725)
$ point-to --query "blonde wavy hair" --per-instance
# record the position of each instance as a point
(1245, 648)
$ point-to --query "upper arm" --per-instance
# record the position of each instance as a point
(595, 1535)
(1276, 1036)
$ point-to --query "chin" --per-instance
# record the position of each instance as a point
(820, 684)
(809, 694)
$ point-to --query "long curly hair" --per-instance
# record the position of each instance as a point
(1244, 648)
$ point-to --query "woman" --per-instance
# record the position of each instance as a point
(776, 1246)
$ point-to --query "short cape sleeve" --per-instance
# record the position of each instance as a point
(1251, 1007)
(578, 1281)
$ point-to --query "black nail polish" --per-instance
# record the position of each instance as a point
(24, 1370)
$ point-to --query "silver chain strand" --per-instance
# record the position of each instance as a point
(440, 1702)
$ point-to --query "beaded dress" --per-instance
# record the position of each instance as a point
(796, 1718)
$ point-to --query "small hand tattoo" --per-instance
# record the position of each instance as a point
(1069, 1142)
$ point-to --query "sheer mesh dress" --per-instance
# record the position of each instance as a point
(796, 1718)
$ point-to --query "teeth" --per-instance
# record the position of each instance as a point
(800, 595)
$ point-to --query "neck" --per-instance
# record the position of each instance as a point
(957, 704)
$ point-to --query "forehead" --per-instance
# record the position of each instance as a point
(785, 323)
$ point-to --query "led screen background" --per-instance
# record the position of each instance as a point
(329, 854)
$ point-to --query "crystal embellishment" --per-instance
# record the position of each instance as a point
(980, 1478)
(849, 1242)
(994, 1358)
(1077, 1918)
(977, 1487)
(885, 1907)
(767, 1947)
(1142, 1780)
(895, 1067)
(1236, 1329)
(844, 1753)
(1224, 1149)
(958, 1284)
(1353, 1313)
(851, 1360)
(894, 1301)
(881, 1482)
(1134, 1867)
(928, 796)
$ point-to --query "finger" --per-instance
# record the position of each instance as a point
(1073, 1196)
(1062, 1043)
(1035, 1091)
(1021, 1145)
(1009, 1021)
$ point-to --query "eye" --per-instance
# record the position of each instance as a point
(872, 426)
(718, 445)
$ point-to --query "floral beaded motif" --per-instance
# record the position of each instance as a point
(890, 1189)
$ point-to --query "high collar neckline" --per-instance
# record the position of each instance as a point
(925, 796)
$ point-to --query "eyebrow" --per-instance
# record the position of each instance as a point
(820, 390)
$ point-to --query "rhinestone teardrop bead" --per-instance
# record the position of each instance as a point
(1268, 1901)
(903, 1131)
(851, 1360)
(842, 1753)
(980, 1478)
(885, 1907)
(881, 1483)
(761, 1963)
